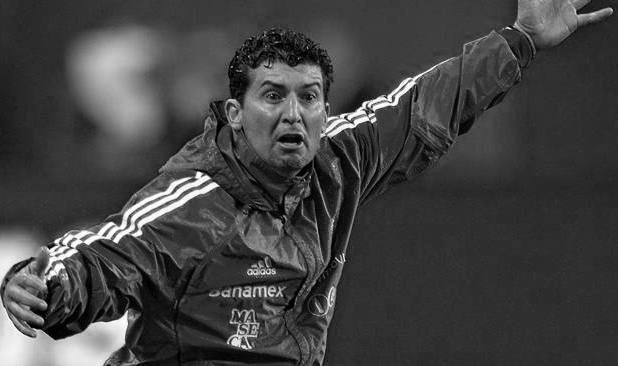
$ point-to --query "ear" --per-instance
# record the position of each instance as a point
(327, 110)
(233, 112)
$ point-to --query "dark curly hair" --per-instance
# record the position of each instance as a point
(272, 45)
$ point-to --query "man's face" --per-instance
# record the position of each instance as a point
(282, 114)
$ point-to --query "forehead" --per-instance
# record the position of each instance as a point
(283, 74)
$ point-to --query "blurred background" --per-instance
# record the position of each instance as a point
(503, 254)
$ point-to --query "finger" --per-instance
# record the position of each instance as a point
(22, 326)
(29, 281)
(25, 315)
(41, 262)
(595, 17)
(578, 4)
(24, 297)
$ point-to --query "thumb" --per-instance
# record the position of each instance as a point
(41, 261)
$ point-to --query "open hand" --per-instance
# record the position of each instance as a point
(549, 22)
(26, 292)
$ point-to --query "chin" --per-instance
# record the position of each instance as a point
(292, 165)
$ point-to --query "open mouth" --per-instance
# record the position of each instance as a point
(291, 138)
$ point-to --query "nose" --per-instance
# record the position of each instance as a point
(291, 112)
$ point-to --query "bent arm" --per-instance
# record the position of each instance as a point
(98, 273)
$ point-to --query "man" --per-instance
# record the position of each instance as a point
(232, 255)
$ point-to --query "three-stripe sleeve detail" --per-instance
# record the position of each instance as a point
(177, 194)
(366, 112)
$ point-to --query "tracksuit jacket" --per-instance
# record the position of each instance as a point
(215, 269)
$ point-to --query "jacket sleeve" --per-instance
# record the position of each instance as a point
(397, 136)
(127, 262)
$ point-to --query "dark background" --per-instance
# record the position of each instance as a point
(503, 254)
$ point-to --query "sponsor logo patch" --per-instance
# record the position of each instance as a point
(262, 268)
(248, 292)
(320, 304)
(247, 329)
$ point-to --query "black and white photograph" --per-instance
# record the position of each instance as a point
(268, 182)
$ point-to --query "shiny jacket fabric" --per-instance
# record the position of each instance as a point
(213, 272)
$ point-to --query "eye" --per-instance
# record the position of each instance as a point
(272, 96)
(310, 97)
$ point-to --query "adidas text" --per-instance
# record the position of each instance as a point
(261, 271)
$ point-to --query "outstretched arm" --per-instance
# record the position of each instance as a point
(549, 22)
(397, 136)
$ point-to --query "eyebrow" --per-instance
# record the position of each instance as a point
(271, 83)
(315, 83)
(282, 86)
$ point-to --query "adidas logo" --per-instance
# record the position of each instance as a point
(262, 268)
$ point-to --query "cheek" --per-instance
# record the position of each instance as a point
(257, 137)
(314, 130)
(258, 127)
(316, 124)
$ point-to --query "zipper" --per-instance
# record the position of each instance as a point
(292, 314)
